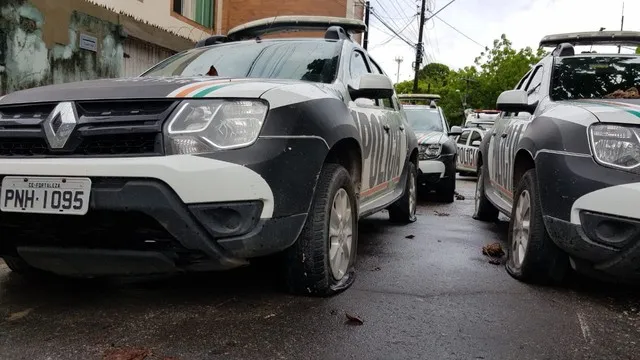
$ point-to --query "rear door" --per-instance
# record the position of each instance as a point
(375, 131)
(396, 151)
(462, 144)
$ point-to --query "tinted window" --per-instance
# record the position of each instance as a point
(358, 65)
(297, 60)
(475, 136)
(523, 81)
(423, 120)
(462, 140)
(388, 103)
(587, 77)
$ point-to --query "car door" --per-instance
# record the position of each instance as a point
(396, 149)
(462, 145)
(506, 135)
(374, 131)
(471, 152)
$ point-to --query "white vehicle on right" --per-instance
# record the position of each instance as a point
(563, 162)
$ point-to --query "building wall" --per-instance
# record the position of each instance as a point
(40, 43)
(231, 13)
(26, 60)
(158, 12)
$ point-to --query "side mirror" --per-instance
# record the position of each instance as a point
(515, 101)
(476, 143)
(455, 131)
(372, 86)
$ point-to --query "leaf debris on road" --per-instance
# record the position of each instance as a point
(458, 196)
(494, 262)
(440, 213)
(19, 315)
(353, 319)
(493, 250)
(377, 268)
(409, 236)
(127, 354)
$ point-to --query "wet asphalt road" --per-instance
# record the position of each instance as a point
(431, 297)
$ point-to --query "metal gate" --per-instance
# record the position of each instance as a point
(141, 55)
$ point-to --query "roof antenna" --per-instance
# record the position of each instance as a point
(621, 24)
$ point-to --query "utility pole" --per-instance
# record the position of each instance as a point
(621, 24)
(367, 10)
(419, 49)
(398, 59)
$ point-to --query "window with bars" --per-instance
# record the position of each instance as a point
(198, 11)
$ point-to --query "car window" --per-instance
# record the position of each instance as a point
(534, 84)
(475, 135)
(462, 140)
(296, 60)
(424, 119)
(358, 65)
(523, 81)
(387, 103)
(589, 77)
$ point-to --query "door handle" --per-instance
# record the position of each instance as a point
(401, 127)
(386, 127)
(503, 135)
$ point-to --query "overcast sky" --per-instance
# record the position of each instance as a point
(524, 22)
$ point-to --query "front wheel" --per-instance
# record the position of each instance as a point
(532, 255)
(404, 209)
(321, 262)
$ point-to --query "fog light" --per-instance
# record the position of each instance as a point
(229, 219)
(609, 230)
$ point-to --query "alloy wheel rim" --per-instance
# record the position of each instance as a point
(340, 234)
(521, 229)
(412, 195)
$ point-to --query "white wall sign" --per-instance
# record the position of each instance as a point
(88, 42)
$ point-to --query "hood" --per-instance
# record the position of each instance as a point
(430, 137)
(144, 88)
(626, 111)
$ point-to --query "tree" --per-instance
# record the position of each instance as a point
(638, 50)
(495, 70)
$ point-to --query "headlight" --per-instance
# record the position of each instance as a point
(200, 126)
(616, 146)
(429, 151)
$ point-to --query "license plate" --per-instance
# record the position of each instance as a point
(45, 195)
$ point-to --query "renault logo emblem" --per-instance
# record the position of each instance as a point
(60, 124)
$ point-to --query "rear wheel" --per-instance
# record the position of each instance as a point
(532, 255)
(404, 209)
(321, 262)
(484, 209)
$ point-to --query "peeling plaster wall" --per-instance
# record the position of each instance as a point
(26, 61)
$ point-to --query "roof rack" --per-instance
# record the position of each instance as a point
(419, 97)
(335, 27)
(618, 38)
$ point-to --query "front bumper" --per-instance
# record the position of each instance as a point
(164, 214)
(430, 172)
(590, 211)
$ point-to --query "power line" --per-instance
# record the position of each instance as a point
(459, 32)
(437, 12)
(393, 36)
(392, 30)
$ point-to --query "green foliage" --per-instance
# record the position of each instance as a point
(495, 70)
(638, 50)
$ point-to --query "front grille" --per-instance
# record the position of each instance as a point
(104, 128)
(129, 144)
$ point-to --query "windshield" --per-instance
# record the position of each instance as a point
(315, 61)
(423, 120)
(596, 77)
